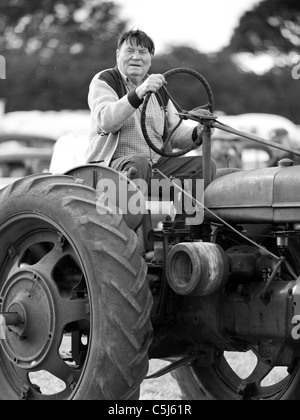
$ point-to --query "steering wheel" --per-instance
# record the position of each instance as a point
(195, 114)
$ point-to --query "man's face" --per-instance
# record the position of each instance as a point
(134, 61)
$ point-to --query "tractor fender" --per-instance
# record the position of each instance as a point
(121, 192)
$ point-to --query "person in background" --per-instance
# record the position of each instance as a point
(280, 136)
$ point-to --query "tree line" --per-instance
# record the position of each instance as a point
(53, 49)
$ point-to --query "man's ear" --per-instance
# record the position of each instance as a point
(117, 55)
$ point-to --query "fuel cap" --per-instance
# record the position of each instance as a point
(285, 163)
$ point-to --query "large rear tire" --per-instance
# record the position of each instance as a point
(77, 281)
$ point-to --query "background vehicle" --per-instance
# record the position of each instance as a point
(26, 146)
(235, 152)
(41, 123)
(90, 293)
(22, 155)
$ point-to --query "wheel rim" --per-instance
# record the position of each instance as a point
(43, 280)
(262, 383)
(262, 380)
(227, 379)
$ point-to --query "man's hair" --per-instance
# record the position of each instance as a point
(139, 38)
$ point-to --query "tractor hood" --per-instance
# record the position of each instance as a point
(263, 196)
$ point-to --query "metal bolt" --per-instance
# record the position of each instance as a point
(24, 392)
(61, 240)
(285, 163)
(12, 252)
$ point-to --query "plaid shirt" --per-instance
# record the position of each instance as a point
(131, 140)
(116, 126)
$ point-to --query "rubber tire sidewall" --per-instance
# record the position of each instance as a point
(72, 207)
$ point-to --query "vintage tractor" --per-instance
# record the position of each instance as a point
(89, 294)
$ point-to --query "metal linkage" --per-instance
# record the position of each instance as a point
(261, 248)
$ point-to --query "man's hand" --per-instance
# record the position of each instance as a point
(198, 135)
(152, 84)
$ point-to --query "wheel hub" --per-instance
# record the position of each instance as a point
(28, 296)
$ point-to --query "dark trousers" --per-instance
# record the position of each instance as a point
(181, 168)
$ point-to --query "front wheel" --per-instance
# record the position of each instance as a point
(77, 283)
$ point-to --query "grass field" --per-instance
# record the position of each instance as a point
(164, 388)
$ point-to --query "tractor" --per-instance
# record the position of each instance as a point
(90, 294)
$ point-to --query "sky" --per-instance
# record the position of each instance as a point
(206, 25)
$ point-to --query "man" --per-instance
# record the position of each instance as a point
(116, 98)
